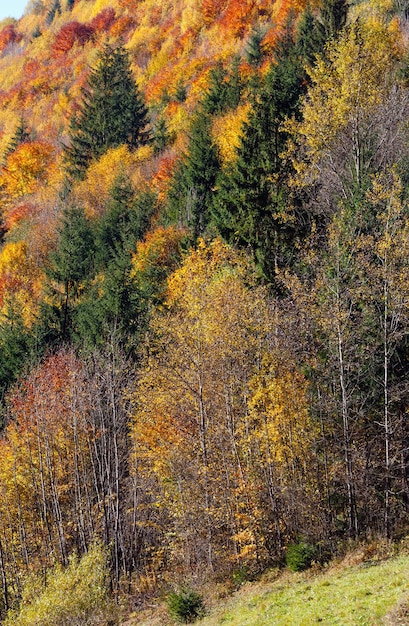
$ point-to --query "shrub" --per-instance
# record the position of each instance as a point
(299, 556)
(73, 596)
(186, 605)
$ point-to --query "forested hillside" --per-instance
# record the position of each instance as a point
(204, 292)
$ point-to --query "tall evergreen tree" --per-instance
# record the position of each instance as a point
(251, 205)
(111, 113)
(254, 50)
(112, 299)
(16, 348)
(225, 89)
(71, 265)
(191, 195)
(21, 135)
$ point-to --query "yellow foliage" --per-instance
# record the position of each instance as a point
(279, 405)
(350, 82)
(159, 249)
(227, 131)
(20, 281)
(77, 594)
(192, 17)
(93, 191)
(26, 168)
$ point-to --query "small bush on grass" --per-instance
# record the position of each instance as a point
(186, 605)
(299, 556)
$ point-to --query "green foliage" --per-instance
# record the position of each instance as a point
(252, 205)
(111, 113)
(70, 265)
(112, 298)
(21, 134)
(73, 596)
(299, 556)
(161, 135)
(254, 50)
(124, 222)
(310, 38)
(181, 92)
(186, 605)
(333, 18)
(191, 194)
(225, 89)
(16, 344)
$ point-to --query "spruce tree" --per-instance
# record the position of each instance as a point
(112, 300)
(71, 267)
(333, 18)
(21, 135)
(225, 89)
(190, 197)
(111, 113)
(252, 203)
(254, 50)
(310, 37)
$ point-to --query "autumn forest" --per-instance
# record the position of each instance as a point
(204, 293)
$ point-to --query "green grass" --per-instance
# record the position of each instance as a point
(359, 595)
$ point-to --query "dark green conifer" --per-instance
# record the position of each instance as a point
(181, 92)
(71, 265)
(333, 17)
(21, 135)
(252, 206)
(112, 299)
(310, 38)
(16, 347)
(190, 197)
(111, 113)
(161, 135)
(225, 89)
(254, 49)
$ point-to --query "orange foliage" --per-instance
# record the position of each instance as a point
(70, 34)
(122, 25)
(20, 281)
(211, 9)
(160, 248)
(18, 213)
(9, 35)
(162, 178)
(31, 67)
(238, 16)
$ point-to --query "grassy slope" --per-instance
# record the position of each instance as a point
(371, 593)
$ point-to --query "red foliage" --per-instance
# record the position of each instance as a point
(45, 393)
(103, 21)
(31, 67)
(70, 34)
(9, 35)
